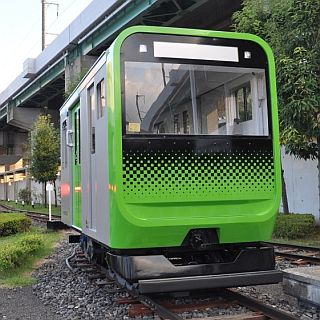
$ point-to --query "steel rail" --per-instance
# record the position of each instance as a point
(248, 302)
(160, 310)
(37, 217)
(41, 217)
(5, 209)
(312, 259)
(257, 305)
(12, 209)
(293, 246)
(297, 256)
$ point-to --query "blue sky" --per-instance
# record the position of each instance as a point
(20, 25)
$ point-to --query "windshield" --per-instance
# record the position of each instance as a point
(187, 99)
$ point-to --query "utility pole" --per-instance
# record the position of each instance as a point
(43, 19)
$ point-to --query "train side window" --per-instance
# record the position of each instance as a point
(64, 145)
(101, 99)
(91, 112)
(77, 138)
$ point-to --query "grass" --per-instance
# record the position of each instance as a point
(37, 207)
(312, 239)
(21, 276)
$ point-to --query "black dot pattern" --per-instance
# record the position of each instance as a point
(185, 175)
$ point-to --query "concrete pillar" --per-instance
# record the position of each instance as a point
(75, 70)
(12, 142)
(22, 117)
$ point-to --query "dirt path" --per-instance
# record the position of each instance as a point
(22, 304)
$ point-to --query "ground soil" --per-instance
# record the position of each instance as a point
(21, 304)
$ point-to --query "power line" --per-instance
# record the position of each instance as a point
(62, 14)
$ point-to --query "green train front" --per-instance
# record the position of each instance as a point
(193, 160)
(193, 153)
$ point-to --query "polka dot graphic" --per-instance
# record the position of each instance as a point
(183, 174)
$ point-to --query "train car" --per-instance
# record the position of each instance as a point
(171, 160)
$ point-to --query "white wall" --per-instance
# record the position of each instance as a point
(301, 177)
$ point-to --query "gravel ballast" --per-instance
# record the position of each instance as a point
(71, 294)
(74, 296)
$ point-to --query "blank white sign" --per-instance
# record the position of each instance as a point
(195, 51)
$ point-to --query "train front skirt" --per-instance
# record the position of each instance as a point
(249, 265)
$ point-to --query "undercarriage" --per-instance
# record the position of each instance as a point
(184, 268)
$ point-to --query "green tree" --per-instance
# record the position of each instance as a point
(44, 151)
(25, 195)
(291, 27)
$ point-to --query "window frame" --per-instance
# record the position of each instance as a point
(258, 60)
(101, 107)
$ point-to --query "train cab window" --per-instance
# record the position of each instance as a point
(176, 124)
(210, 100)
(101, 99)
(91, 113)
(186, 123)
(159, 128)
(243, 103)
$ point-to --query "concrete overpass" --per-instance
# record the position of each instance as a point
(41, 85)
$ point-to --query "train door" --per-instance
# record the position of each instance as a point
(95, 179)
(91, 219)
(76, 168)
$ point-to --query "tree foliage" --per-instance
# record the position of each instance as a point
(25, 195)
(291, 27)
(44, 150)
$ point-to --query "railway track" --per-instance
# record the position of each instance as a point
(172, 306)
(256, 310)
(297, 254)
(4, 208)
(36, 216)
(40, 217)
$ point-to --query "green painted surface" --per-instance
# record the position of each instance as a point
(76, 168)
(151, 218)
